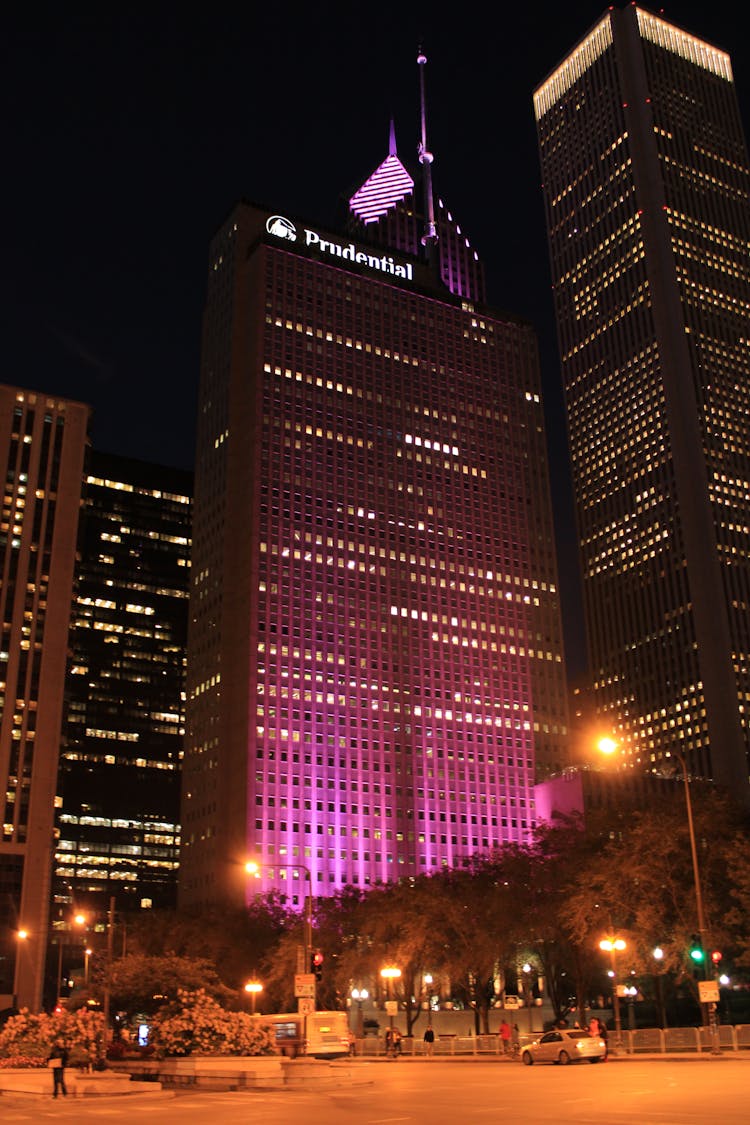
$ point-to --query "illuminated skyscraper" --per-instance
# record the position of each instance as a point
(375, 668)
(43, 443)
(120, 766)
(646, 182)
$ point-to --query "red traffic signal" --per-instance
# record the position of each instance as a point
(716, 956)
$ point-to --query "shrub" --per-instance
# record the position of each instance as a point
(32, 1036)
(196, 1025)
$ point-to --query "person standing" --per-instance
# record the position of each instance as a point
(58, 1060)
(505, 1034)
(603, 1035)
(429, 1040)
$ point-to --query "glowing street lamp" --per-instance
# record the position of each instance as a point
(614, 945)
(253, 989)
(252, 867)
(658, 956)
(359, 995)
(390, 973)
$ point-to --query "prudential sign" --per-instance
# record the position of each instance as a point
(282, 228)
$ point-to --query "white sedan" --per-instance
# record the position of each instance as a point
(564, 1047)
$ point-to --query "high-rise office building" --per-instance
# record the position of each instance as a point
(43, 444)
(646, 181)
(119, 784)
(375, 667)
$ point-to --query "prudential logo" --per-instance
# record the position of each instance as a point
(281, 228)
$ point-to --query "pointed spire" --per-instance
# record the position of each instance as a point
(385, 188)
(429, 238)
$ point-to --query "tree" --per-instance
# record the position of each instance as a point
(140, 984)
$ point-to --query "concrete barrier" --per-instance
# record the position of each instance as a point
(79, 1084)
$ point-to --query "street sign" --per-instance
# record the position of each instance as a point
(391, 1007)
(305, 1006)
(708, 991)
(304, 985)
(512, 1002)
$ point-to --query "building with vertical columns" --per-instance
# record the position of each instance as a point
(375, 666)
(646, 186)
(43, 445)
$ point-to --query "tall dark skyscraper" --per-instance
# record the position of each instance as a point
(375, 668)
(646, 182)
(43, 445)
(119, 785)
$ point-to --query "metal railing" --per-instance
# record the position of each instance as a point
(648, 1040)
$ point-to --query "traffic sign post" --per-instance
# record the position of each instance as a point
(304, 986)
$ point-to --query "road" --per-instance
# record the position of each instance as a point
(696, 1092)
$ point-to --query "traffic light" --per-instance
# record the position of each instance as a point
(697, 956)
(316, 964)
(716, 956)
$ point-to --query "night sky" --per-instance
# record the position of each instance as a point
(128, 135)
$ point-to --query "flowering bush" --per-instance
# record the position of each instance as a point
(22, 1062)
(30, 1036)
(196, 1025)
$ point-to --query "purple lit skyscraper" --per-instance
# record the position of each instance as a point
(375, 669)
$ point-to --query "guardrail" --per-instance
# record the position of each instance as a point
(647, 1040)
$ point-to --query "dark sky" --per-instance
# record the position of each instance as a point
(128, 132)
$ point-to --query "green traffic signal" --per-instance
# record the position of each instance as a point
(696, 951)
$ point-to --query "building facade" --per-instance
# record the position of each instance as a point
(646, 181)
(119, 785)
(375, 665)
(43, 445)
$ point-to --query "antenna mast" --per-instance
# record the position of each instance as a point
(429, 238)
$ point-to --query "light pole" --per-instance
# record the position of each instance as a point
(87, 957)
(253, 988)
(659, 957)
(78, 920)
(359, 995)
(609, 746)
(710, 1007)
(390, 973)
(614, 945)
(252, 867)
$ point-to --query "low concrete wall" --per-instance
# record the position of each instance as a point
(224, 1071)
(78, 1084)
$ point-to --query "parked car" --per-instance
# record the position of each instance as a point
(564, 1047)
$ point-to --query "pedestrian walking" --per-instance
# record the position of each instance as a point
(505, 1036)
(429, 1039)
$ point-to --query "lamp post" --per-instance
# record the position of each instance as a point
(659, 957)
(252, 867)
(390, 973)
(609, 746)
(359, 995)
(614, 945)
(253, 988)
(711, 1007)
(78, 920)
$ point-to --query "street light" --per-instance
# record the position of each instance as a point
(77, 920)
(614, 945)
(360, 995)
(253, 868)
(87, 957)
(659, 957)
(610, 749)
(698, 901)
(390, 973)
(253, 988)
